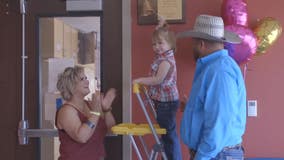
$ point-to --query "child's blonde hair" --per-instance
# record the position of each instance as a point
(162, 32)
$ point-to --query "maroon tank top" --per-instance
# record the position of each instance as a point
(93, 149)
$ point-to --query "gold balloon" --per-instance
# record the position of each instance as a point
(267, 32)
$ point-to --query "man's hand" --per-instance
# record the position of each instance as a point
(183, 102)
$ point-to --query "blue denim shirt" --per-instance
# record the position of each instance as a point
(215, 114)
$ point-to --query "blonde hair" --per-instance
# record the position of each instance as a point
(67, 81)
(162, 32)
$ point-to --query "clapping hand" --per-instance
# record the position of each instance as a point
(96, 102)
(107, 100)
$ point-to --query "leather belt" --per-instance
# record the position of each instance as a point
(192, 152)
(232, 147)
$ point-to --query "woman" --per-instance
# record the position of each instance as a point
(82, 124)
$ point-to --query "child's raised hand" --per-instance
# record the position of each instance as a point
(161, 22)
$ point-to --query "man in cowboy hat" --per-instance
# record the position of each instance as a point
(214, 119)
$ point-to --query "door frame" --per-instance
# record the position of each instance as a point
(126, 72)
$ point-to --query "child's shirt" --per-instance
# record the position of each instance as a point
(167, 90)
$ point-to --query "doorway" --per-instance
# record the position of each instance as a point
(65, 42)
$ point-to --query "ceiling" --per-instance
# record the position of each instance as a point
(83, 24)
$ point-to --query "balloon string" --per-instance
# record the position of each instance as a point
(245, 71)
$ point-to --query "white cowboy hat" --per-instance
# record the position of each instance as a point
(210, 28)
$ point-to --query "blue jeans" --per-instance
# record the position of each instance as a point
(166, 118)
(236, 153)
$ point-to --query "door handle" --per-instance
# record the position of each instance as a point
(24, 132)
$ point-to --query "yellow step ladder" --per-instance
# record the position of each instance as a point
(140, 130)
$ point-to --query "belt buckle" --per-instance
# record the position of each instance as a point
(232, 147)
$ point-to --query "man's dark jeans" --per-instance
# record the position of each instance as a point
(234, 153)
(228, 153)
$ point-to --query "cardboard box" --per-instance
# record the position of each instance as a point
(51, 101)
(50, 69)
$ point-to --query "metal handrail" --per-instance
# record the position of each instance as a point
(23, 129)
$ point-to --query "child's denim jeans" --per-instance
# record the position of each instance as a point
(166, 118)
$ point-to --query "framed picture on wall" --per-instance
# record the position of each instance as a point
(171, 10)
